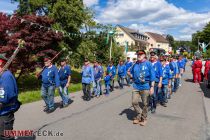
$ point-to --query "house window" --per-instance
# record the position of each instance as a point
(136, 43)
(121, 35)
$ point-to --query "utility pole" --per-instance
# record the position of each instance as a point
(110, 51)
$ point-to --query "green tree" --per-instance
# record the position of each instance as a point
(202, 36)
(171, 41)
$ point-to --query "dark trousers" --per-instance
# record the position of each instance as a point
(86, 90)
(112, 84)
(154, 98)
(6, 123)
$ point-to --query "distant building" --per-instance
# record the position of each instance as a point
(157, 41)
(134, 39)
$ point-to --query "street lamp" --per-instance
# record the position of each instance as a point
(110, 33)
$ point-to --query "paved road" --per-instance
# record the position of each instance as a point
(110, 118)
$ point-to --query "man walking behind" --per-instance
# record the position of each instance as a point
(111, 70)
(158, 80)
(65, 78)
(87, 79)
(50, 81)
(97, 70)
(128, 65)
(121, 68)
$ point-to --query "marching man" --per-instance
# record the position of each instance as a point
(111, 70)
(121, 73)
(50, 81)
(143, 76)
(9, 103)
(87, 78)
(65, 78)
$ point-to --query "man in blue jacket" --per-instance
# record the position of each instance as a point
(97, 70)
(181, 65)
(128, 65)
(65, 78)
(87, 79)
(158, 80)
(50, 81)
(184, 59)
(166, 82)
(174, 72)
(100, 83)
(176, 81)
(111, 70)
(143, 76)
(9, 103)
(121, 72)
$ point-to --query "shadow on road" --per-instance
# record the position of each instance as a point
(189, 80)
(129, 113)
(205, 90)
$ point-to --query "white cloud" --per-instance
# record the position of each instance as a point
(159, 15)
(119, 11)
(143, 28)
(183, 37)
(90, 3)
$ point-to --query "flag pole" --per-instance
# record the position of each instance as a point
(110, 51)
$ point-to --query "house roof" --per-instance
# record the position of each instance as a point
(157, 37)
(131, 32)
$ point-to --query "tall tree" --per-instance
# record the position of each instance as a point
(39, 41)
(170, 39)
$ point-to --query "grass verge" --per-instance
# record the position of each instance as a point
(35, 95)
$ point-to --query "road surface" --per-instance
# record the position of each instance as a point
(110, 118)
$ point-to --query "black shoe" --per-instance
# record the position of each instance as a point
(84, 98)
(70, 101)
(64, 106)
(88, 99)
(153, 110)
(50, 110)
(46, 109)
(164, 104)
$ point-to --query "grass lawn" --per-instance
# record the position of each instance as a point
(30, 87)
(35, 95)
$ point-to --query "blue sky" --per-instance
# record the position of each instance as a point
(179, 18)
(7, 7)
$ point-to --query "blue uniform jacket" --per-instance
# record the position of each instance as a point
(8, 93)
(158, 71)
(128, 64)
(50, 77)
(107, 79)
(87, 74)
(102, 69)
(143, 74)
(173, 68)
(121, 70)
(166, 74)
(111, 70)
(184, 60)
(64, 73)
(180, 65)
(97, 72)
